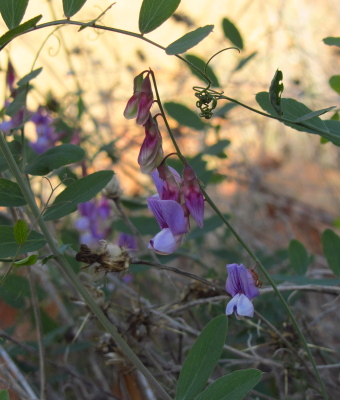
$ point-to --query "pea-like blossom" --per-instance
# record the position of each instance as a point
(141, 101)
(241, 286)
(193, 196)
(173, 221)
(92, 222)
(167, 181)
(151, 153)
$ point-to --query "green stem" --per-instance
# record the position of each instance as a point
(276, 290)
(72, 277)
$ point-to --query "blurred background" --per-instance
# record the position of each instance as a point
(274, 183)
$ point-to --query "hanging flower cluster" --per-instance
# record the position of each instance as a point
(177, 197)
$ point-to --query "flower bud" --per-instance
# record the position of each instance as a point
(141, 101)
(112, 190)
(151, 153)
(193, 196)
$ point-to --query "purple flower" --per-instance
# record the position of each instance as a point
(151, 153)
(173, 223)
(193, 196)
(241, 286)
(167, 181)
(141, 101)
(127, 241)
(46, 131)
(92, 221)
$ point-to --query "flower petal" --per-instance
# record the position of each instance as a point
(165, 242)
(131, 108)
(154, 205)
(173, 215)
(244, 306)
(232, 305)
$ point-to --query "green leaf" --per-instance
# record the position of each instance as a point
(275, 92)
(30, 260)
(19, 30)
(20, 231)
(313, 114)
(154, 12)
(13, 11)
(331, 249)
(298, 256)
(10, 194)
(9, 246)
(189, 40)
(72, 6)
(54, 158)
(29, 77)
(234, 386)
(210, 224)
(202, 359)
(334, 83)
(292, 110)
(244, 61)
(15, 148)
(184, 116)
(332, 41)
(217, 149)
(4, 395)
(18, 103)
(200, 64)
(144, 225)
(232, 33)
(81, 191)
(224, 110)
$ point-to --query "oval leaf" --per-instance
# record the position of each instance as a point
(244, 61)
(189, 40)
(293, 109)
(331, 249)
(20, 231)
(154, 12)
(4, 395)
(234, 386)
(334, 83)
(30, 260)
(202, 359)
(12, 11)
(298, 256)
(332, 41)
(200, 64)
(29, 77)
(72, 6)
(54, 158)
(10, 194)
(184, 116)
(81, 191)
(232, 33)
(313, 114)
(9, 246)
(19, 30)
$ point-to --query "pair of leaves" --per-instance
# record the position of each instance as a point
(297, 112)
(200, 363)
(9, 237)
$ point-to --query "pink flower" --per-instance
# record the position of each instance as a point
(141, 101)
(193, 196)
(167, 181)
(151, 153)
